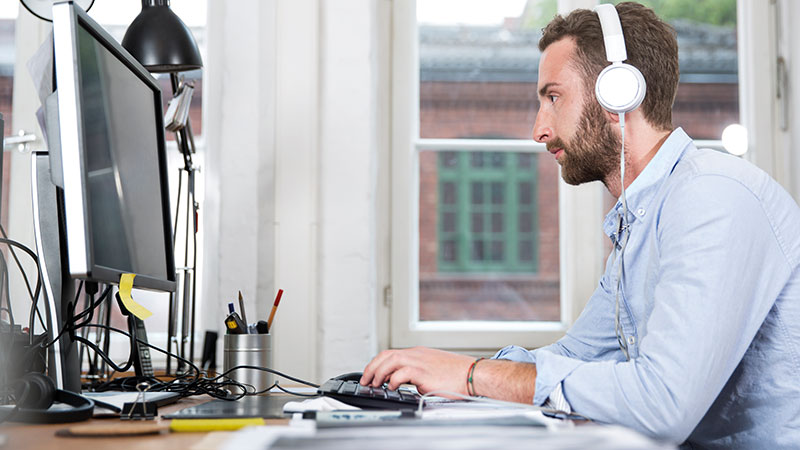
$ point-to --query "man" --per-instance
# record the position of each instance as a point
(709, 305)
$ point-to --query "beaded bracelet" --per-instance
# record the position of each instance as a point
(470, 372)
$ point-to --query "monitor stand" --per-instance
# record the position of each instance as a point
(59, 288)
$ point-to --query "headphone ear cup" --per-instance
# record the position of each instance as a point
(620, 88)
(41, 391)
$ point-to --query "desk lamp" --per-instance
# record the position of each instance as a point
(160, 40)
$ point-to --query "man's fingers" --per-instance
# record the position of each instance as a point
(388, 366)
(369, 371)
(401, 376)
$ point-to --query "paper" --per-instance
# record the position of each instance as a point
(304, 435)
(317, 404)
(125, 286)
(40, 68)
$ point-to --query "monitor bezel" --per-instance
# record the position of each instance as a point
(67, 18)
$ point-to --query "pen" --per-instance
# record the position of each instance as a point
(274, 308)
(241, 307)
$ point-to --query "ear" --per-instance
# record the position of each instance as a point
(612, 117)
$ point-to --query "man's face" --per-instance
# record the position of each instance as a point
(571, 122)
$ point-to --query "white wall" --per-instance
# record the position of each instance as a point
(292, 175)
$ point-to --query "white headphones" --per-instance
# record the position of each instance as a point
(620, 87)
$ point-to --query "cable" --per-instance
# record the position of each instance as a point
(34, 296)
(624, 227)
(35, 293)
(294, 393)
(4, 291)
(199, 384)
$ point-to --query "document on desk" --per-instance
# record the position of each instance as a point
(306, 436)
(444, 424)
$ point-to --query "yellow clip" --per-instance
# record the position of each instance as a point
(125, 286)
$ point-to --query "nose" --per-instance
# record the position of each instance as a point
(541, 129)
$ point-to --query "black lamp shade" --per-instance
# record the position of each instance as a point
(160, 40)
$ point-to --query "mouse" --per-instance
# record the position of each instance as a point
(351, 376)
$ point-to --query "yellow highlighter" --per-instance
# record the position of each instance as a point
(201, 425)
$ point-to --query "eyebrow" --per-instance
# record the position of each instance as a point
(543, 89)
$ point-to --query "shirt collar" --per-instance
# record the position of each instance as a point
(640, 193)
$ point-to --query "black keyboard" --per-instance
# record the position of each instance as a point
(352, 393)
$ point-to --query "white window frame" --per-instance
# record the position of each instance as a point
(581, 211)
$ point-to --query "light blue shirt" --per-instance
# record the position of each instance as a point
(710, 308)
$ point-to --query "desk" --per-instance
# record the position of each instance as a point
(24, 437)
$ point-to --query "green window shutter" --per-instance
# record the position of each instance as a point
(487, 212)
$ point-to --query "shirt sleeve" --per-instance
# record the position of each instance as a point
(709, 302)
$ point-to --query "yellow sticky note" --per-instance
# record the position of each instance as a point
(125, 286)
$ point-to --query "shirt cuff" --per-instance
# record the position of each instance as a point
(515, 353)
(557, 401)
(551, 369)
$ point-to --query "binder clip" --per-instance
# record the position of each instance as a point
(139, 409)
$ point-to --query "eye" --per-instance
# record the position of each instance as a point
(552, 98)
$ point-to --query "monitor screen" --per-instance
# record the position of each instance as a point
(116, 193)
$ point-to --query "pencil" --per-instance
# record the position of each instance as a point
(241, 307)
(274, 308)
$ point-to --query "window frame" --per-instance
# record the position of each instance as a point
(580, 246)
(581, 252)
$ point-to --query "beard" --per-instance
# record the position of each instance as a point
(592, 154)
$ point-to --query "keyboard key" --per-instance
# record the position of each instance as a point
(364, 391)
(392, 395)
(349, 388)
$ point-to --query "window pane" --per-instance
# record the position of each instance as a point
(708, 94)
(495, 256)
(477, 74)
(497, 193)
(477, 193)
(478, 65)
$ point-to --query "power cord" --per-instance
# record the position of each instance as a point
(197, 383)
(34, 295)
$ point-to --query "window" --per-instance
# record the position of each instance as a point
(483, 245)
(487, 216)
(489, 247)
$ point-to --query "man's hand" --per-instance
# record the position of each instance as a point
(426, 368)
(436, 370)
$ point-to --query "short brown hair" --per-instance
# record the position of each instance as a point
(651, 45)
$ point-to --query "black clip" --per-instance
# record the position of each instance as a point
(139, 409)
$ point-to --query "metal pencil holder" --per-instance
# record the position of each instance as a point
(248, 350)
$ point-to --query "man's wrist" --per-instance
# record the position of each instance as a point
(505, 380)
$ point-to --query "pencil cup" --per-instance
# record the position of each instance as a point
(248, 350)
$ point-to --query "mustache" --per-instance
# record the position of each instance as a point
(556, 143)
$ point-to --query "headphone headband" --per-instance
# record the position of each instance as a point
(620, 87)
(613, 38)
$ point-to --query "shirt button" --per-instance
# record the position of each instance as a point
(640, 212)
(631, 340)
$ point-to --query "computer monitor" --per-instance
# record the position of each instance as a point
(108, 163)
(116, 193)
